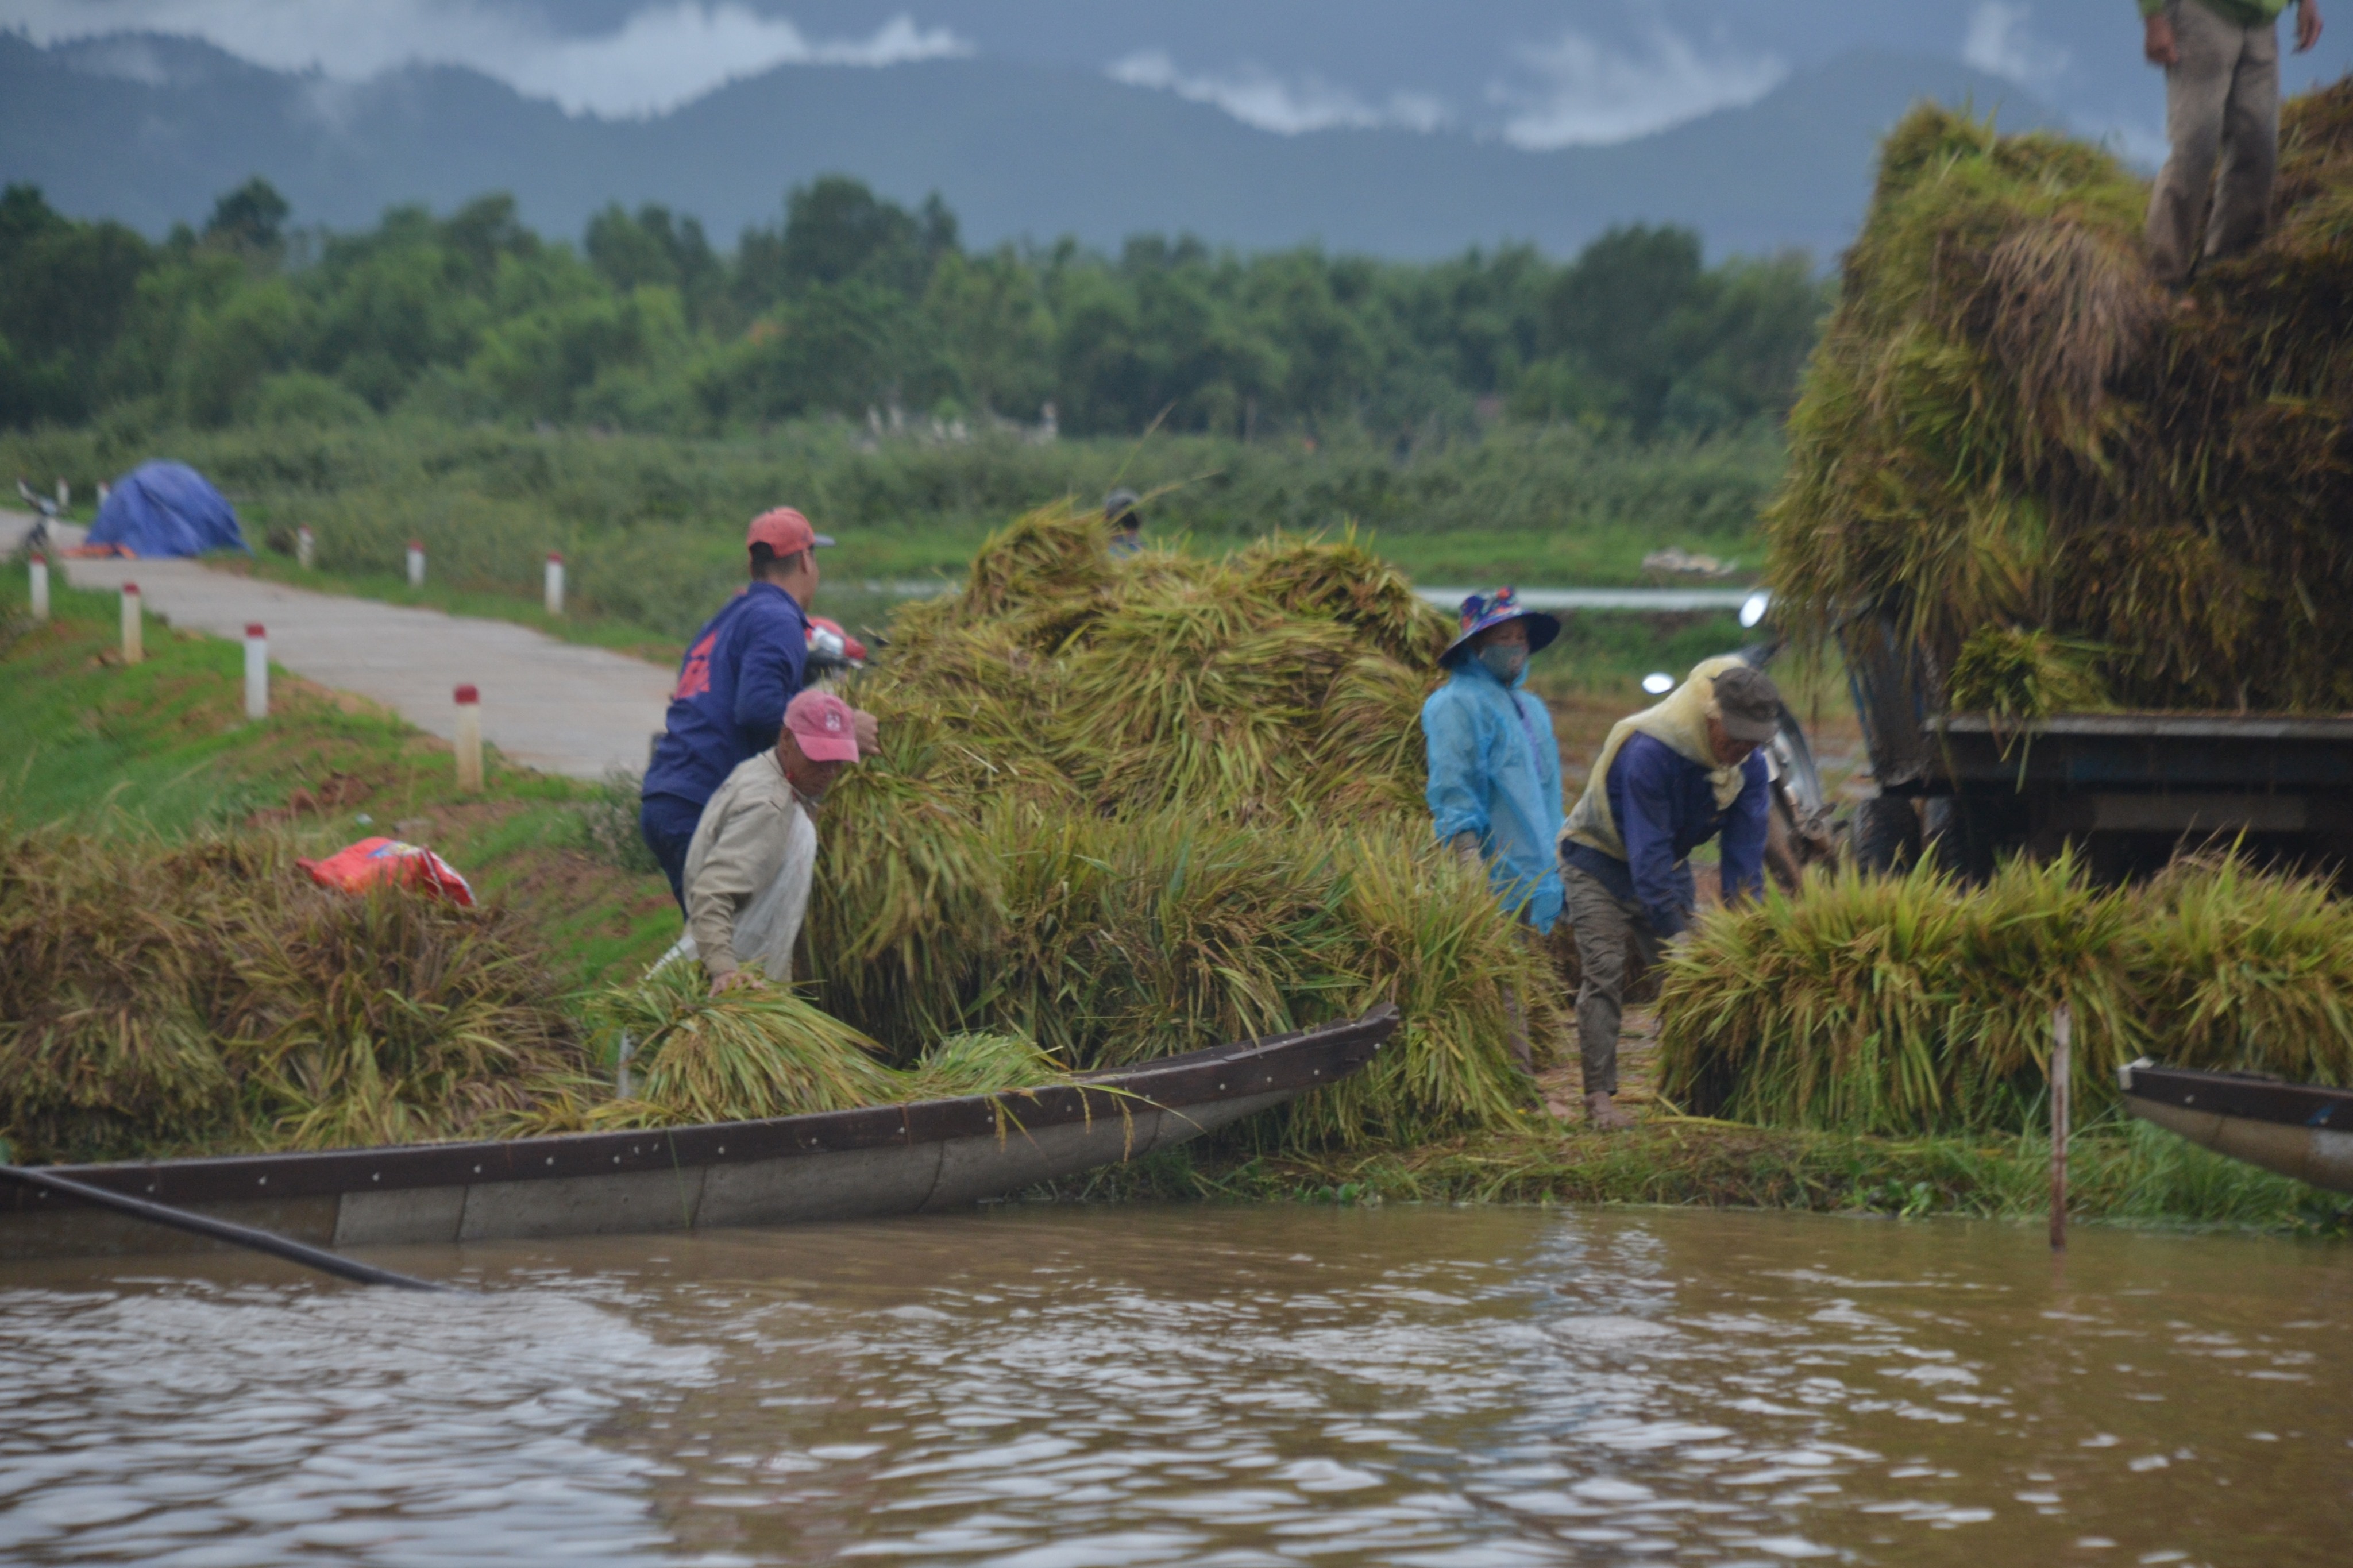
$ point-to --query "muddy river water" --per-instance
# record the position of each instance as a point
(1060, 1388)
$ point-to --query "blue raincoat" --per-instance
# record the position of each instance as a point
(1495, 772)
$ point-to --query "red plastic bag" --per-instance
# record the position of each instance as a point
(356, 868)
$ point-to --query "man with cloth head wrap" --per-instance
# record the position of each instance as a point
(1669, 779)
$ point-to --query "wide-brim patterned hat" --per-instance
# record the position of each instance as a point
(1481, 611)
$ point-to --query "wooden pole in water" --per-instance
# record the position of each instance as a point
(470, 738)
(2063, 1069)
(134, 647)
(218, 1229)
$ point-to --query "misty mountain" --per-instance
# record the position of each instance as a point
(150, 128)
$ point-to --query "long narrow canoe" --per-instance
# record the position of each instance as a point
(2299, 1130)
(843, 1164)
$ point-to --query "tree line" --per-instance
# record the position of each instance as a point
(851, 303)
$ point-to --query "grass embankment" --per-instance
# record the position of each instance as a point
(2119, 1173)
(163, 748)
(651, 527)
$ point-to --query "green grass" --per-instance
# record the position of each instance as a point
(164, 746)
(2129, 1174)
(651, 527)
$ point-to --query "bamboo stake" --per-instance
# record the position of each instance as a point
(2063, 1066)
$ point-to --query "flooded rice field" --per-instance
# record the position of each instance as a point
(1059, 1388)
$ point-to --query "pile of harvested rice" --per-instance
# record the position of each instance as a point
(2007, 425)
(159, 1000)
(1128, 808)
(1911, 1005)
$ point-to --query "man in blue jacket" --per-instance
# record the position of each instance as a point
(1495, 772)
(1669, 779)
(740, 671)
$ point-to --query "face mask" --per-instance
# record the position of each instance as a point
(1504, 661)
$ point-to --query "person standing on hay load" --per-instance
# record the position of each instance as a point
(1668, 778)
(754, 858)
(740, 673)
(1122, 510)
(1495, 770)
(2221, 118)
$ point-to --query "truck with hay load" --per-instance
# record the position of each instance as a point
(2085, 545)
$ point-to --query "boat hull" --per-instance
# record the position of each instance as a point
(2302, 1131)
(856, 1164)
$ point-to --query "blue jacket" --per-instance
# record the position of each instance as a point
(1665, 808)
(738, 674)
(1495, 772)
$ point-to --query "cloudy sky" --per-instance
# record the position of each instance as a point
(1539, 75)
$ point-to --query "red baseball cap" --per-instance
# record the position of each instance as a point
(784, 531)
(823, 727)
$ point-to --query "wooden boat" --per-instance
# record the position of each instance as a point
(844, 1164)
(2299, 1130)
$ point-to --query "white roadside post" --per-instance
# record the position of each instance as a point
(416, 563)
(306, 547)
(134, 647)
(40, 576)
(257, 671)
(469, 739)
(64, 495)
(555, 582)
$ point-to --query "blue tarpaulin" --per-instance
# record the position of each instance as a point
(167, 509)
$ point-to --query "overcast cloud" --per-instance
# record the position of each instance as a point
(1257, 96)
(1587, 93)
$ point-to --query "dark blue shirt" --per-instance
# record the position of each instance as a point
(1665, 808)
(738, 674)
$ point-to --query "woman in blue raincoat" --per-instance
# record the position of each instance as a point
(1495, 772)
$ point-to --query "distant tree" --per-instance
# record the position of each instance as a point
(251, 217)
(1609, 309)
(66, 292)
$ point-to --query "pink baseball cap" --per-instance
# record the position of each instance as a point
(784, 531)
(823, 727)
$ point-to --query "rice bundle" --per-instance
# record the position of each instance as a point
(2007, 423)
(2018, 673)
(750, 1052)
(208, 997)
(1175, 802)
(1913, 1006)
(972, 1064)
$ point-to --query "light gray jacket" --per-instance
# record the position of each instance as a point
(748, 872)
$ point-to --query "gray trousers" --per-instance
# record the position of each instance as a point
(2221, 116)
(1608, 931)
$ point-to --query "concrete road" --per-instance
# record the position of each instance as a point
(553, 706)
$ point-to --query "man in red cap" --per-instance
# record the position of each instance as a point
(740, 672)
(754, 857)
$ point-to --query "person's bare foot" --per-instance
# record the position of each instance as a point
(1604, 1115)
